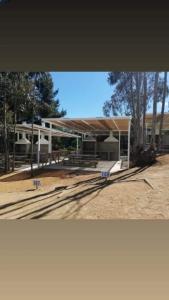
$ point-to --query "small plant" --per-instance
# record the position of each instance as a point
(36, 183)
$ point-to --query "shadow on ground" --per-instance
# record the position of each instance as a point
(97, 185)
(42, 173)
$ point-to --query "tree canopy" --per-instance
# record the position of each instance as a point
(24, 90)
(134, 93)
(25, 96)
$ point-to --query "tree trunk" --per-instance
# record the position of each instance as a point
(134, 119)
(144, 109)
(138, 110)
(162, 110)
(6, 166)
(15, 86)
(154, 120)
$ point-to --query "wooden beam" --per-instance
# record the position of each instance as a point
(89, 125)
(103, 122)
(69, 126)
(115, 124)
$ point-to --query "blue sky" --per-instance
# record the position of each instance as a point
(82, 94)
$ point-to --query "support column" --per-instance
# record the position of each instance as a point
(50, 143)
(119, 143)
(38, 148)
(82, 137)
(77, 145)
(95, 146)
(146, 135)
(129, 126)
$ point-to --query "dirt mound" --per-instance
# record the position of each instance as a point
(163, 159)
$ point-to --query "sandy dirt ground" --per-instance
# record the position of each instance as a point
(138, 193)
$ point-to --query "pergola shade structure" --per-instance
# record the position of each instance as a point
(27, 128)
(41, 132)
(93, 127)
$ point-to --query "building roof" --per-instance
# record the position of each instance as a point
(149, 118)
(91, 124)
